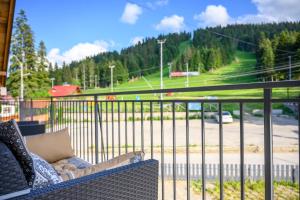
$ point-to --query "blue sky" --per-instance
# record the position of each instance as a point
(73, 29)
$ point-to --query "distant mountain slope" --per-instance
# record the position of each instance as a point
(207, 50)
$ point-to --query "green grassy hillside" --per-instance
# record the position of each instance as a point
(235, 73)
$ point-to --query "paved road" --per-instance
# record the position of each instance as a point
(285, 139)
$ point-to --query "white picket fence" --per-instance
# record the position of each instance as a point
(231, 172)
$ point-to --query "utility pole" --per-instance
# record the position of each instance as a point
(83, 77)
(52, 81)
(290, 68)
(22, 76)
(187, 74)
(170, 69)
(112, 78)
(91, 80)
(161, 42)
(95, 80)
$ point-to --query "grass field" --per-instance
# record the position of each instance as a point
(230, 74)
(253, 190)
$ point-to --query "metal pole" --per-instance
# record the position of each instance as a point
(161, 42)
(31, 110)
(187, 74)
(95, 81)
(83, 77)
(268, 146)
(170, 69)
(112, 78)
(96, 128)
(51, 114)
(22, 83)
(290, 68)
(52, 81)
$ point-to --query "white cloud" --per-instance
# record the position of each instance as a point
(267, 11)
(213, 16)
(172, 23)
(158, 3)
(77, 52)
(273, 11)
(131, 13)
(136, 40)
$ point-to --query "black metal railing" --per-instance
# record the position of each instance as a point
(101, 129)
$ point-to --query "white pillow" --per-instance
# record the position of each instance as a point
(45, 174)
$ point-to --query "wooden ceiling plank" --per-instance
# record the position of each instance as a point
(3, 20)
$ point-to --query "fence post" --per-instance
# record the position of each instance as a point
(51, 114)
(31, 109)
(96, 129)
(21, 109)
(268, 148)
(293, 175)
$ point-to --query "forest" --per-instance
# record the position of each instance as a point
(205, 49)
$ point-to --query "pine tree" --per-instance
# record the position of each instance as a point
(42, 60)
(23, 53)
(267, 57)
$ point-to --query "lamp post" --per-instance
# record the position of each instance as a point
(112, 77)
(52, 81)
(170, 69)
(187, 74)
(161, 42)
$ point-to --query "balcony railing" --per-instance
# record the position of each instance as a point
(168, 130)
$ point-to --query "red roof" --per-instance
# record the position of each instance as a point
(64, 90)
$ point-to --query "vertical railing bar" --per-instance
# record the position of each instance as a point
(151, 127)
(106, 120)
(58, 115)
(126, 127)
(203, 168)
(162, 150)
(96, 129)
(81, 127)
(31, 109)
(112, 130)
(92, 130)
(119, 129)
(133, 126)
(174, 150)
(242, 178)
(73, 122)
(63, 114)
(87, 131)
(221, 151)
(77, 127)
(101, 132)
(187, 126)
(299, 146)
(83, 130)
(268, 148)
(142, 126)
(52, 114)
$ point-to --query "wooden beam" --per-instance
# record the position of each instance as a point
(8, 32)
(3, 20)
(3, 73)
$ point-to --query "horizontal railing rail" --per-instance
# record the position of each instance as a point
(246, 86)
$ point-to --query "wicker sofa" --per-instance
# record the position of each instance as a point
(133, 181)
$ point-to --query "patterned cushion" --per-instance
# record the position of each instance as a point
(68, 169)
(45, 175)
(11, 136)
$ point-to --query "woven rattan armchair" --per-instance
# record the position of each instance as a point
(135, 181)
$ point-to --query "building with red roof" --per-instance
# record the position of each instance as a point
(64, 90)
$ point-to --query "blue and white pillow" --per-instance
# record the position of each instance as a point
(45, 174)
